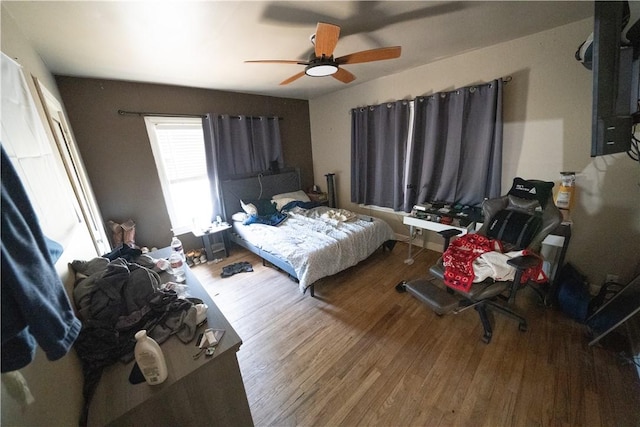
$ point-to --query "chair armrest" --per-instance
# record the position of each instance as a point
(521, 263)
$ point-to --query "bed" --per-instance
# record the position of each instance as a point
(310, 243)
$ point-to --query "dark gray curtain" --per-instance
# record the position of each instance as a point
(246, 144)
(378, 147)
(211, 153)
(239, 145)
(456, 150)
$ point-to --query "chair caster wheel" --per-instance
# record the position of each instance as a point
(522, 327)
(401, 288)
(486, 338)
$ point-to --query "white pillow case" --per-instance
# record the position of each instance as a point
(295, 195)
(282, 199)
(281, 202)
(249, 208)
(239, 216)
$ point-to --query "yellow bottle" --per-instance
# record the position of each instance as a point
(565, 194)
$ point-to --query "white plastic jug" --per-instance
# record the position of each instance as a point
(150, 358)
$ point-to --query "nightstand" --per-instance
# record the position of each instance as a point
(322, 198)
(210, 246)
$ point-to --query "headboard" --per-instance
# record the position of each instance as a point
(256, 187)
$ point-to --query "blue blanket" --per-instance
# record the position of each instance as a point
(273, 219)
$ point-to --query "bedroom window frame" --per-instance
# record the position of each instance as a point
(186, 192)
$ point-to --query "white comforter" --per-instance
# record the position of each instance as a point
(318, 245)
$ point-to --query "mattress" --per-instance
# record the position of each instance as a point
(318, 242)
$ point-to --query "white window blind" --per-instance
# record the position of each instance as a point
(178, 149)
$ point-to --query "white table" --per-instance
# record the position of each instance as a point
(425, 224)
(207, 234)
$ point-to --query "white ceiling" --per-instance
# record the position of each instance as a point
(205, 43)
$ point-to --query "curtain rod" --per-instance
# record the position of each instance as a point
(505, 80)
(147, 113)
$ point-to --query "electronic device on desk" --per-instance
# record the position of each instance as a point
(444, 213)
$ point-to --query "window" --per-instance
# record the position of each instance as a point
(178, 149)
(76, 172)
(446, 148)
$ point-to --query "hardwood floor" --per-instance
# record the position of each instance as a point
(360, 353)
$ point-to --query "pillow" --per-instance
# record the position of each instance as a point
(239, 216)
(531, 190)
(295, 195)
(249, 208)
(263, 207)
(280, 203)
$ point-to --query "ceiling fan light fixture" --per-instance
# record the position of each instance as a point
(320, 70)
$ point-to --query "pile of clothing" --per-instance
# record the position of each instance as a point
(473, 258)
(114, 300)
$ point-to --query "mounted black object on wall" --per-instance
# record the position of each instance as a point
(331, 190)
(616, 77)
(274, 168)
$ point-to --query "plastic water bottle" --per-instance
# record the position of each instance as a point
(177, 266)
(176, 246)
(150, 358)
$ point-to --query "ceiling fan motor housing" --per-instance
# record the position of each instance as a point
(320, 67)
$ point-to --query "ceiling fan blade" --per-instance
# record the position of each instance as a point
(370, 55)
(278, 61)
(292, 78)
(326, 39)
(343, 75)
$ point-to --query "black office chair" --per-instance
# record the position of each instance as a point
(519, 220)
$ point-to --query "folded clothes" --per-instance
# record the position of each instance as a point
(238, 267)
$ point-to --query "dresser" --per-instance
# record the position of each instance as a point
(207, 391)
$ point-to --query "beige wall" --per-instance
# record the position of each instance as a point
(117, 152)
(56, 386)
(547, 129)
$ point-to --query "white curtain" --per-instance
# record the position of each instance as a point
(30, 150)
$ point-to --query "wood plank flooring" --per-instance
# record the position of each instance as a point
(360, 353)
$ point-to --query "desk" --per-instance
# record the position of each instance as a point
(209, 246)
(559, 238)
(205, 392)
(424, 224)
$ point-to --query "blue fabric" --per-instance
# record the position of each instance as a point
(273, 219)
(35, 306)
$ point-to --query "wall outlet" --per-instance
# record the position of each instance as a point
(612, 278)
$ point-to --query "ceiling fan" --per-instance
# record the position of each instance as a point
(322, 63)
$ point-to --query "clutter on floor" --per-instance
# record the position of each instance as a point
(238, 267)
